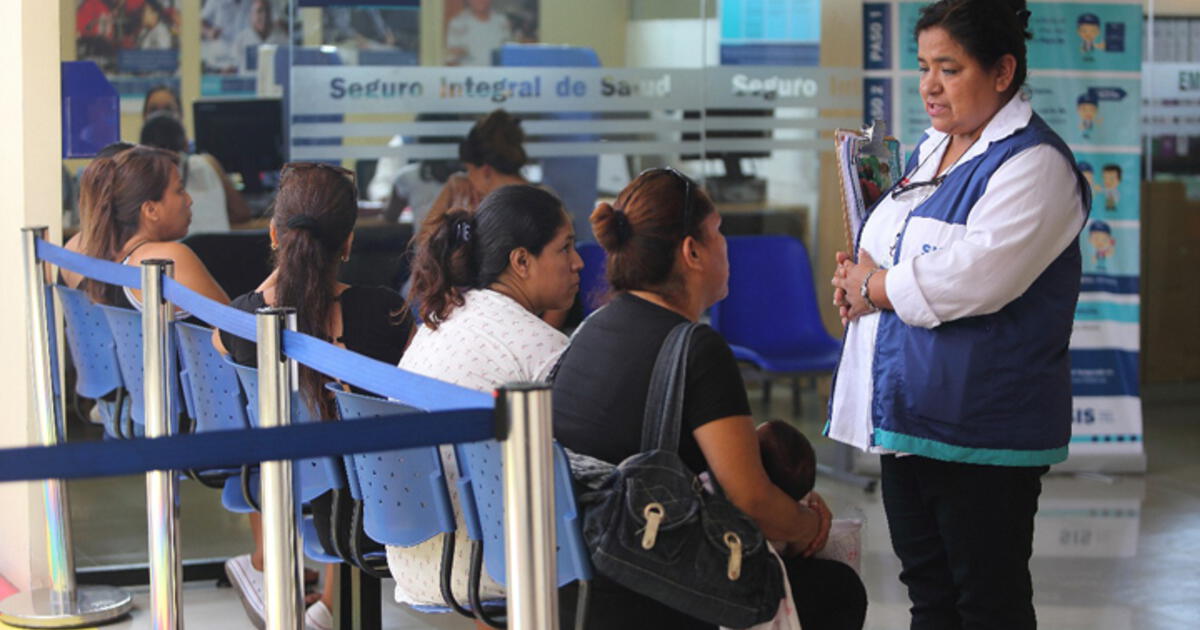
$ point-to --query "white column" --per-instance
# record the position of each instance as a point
(30, 152)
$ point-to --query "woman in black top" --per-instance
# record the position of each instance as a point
(667, 264)
(312, 230)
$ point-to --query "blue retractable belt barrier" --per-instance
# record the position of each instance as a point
(223, 449)
(349, 367)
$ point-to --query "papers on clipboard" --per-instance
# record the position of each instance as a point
(868, 162)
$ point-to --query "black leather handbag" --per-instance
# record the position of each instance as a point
(652, 528)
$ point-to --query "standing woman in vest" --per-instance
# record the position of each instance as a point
(959, 312)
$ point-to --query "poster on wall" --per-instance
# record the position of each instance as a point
(134, 42)
(230, 34)
(374, 36)
(1084, 81)
(770, 32)
(475, 29)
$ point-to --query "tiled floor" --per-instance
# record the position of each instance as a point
(1111, 553)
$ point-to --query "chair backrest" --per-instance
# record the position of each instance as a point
(126, 327)
(481, 495)
(404, 493)
(313, 473)
(772, 303)
(593, 286)
(91, 344)
(210, 385)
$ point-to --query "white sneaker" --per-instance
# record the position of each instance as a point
(248, 582)
(318, 617)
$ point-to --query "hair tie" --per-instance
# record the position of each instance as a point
(462, 232)
(624, 227)
(1023, 17)
(305, 222)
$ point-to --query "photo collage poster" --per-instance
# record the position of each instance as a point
(476, 29)
(1085, 82)
(231, 32)
(134, 42)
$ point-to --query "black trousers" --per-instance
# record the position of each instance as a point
(964, 535)
(828, 595)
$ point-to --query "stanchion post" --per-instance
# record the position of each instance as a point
(529, 535)
(282, 569)
(63, 604)
(162, 486)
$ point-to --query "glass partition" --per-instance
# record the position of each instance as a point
(726, 91)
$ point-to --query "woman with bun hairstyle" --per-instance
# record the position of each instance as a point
(667, 264)
(492, 155)
(133, 207)
(312, 232)
(960, 309)
(483, 280)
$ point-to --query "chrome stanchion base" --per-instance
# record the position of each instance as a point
(93, 605)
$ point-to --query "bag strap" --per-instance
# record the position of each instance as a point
(664, 400)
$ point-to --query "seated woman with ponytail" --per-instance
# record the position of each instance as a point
(133, 207)
(483, 280)
(312, 230)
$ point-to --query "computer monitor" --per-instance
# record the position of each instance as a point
(246, 137)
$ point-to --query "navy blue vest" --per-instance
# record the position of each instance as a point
(990, 389)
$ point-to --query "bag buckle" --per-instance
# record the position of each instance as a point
(734, 542)
(654, 514)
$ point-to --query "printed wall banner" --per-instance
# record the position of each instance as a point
(475, 30)
(770, 32)
(1116, 187)
(1089, 110)
(135, 43)
(376, 36)
(230, 33)
(1085, 36)
(1110, 248)
(1085, 60)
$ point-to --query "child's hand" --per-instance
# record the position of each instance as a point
(815, 503)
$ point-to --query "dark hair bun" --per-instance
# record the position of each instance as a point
(611, 227)
(495, 141)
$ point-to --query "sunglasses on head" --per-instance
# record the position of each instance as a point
(687, 197)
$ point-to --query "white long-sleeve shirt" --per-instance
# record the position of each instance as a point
(1028, 214)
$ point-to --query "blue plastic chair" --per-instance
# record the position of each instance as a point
(593, 286)
(481, 494)
(94, 354)
(770, 317)
(313, 473)
(403, 493)
(211, 392)
(126, 327)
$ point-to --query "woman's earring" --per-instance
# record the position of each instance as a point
(274, 247)
(345, 258)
